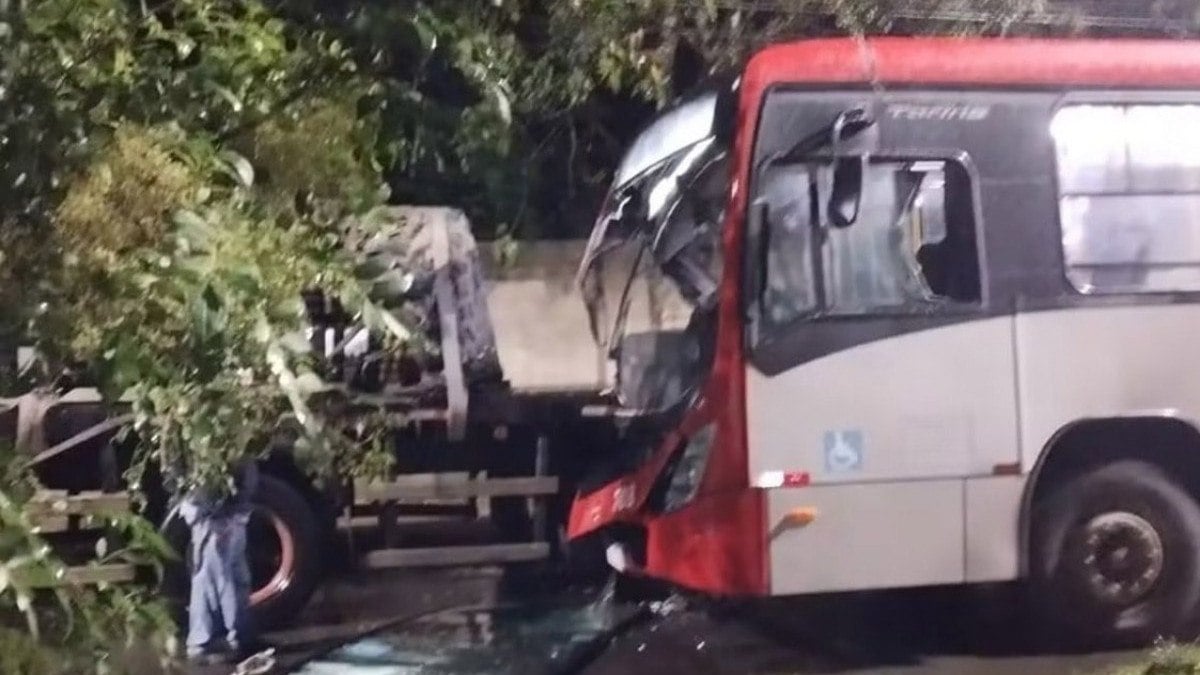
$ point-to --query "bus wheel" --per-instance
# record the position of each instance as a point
(284, 553)
(1116, 555)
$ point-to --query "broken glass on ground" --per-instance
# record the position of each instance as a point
(525, 639)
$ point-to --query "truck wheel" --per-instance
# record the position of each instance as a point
(284, 551)
(1116, 556)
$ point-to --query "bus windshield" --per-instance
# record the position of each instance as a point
(650, 273)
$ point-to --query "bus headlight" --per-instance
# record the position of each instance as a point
(689, 469)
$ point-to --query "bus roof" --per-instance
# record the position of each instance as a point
(980, 62)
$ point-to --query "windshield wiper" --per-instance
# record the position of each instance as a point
(847, 124)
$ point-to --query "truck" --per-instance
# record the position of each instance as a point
(483, 459)
(944, 296)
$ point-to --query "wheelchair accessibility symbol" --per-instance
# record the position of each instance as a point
(843, 451)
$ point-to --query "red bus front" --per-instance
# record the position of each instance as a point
(660, 280)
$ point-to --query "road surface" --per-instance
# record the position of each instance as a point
(499, 627)
(926, 632)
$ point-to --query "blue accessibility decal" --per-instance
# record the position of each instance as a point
(843, 451)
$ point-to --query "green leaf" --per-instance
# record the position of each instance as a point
(211, 299)
(224, 92)
(192, 227)
(373, 265)
(381, 319)
(243, 171)
(295, 342)
(425, 34)
(208, 319)
(503, 105)
(308, 383)
(262, 330)
(184, 46)
(392, 286)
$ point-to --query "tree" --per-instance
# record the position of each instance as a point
(172, 179)
(518, 109)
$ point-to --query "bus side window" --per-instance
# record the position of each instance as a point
(912, 249)
(914, 245)
(1129, 196)
(788, 291)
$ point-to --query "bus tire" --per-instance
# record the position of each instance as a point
(285, 557)
(1116, 556)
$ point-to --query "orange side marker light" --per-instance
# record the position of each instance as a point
(801, 516)
(796, 518)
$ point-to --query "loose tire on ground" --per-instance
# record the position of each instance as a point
(1116, 556)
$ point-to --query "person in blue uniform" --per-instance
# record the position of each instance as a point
(218, 621)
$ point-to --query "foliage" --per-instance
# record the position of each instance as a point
(307, 153)
(146, 252)
(111, 215)
(163, 263)
(197, 319)
(73, 71)
(1165, 658)
(48, 626)
(516, 110)
(121, 202)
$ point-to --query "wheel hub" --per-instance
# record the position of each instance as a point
(1123, 557)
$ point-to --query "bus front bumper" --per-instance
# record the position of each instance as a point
(716, 543)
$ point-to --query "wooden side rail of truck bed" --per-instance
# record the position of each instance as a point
(55, 511)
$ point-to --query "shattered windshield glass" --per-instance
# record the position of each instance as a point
(662, 148)
(651, 272)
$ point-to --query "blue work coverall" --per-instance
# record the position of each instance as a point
(220, 592)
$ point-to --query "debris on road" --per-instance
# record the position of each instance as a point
(257, 664)
(522, 639)
(665, 608)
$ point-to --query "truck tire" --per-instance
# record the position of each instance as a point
(1116, 556)
(285, 544)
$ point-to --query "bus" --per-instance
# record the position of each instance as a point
(939, 325)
